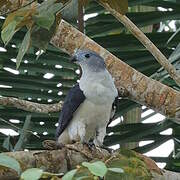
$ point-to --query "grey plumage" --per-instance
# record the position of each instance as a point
(87, 107)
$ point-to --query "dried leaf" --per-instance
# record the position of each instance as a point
(8, 32)
(22, 17)
(7, 6)
(84, 2)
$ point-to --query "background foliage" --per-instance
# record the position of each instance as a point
(29, 82)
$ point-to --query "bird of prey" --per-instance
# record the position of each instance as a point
(88, 106)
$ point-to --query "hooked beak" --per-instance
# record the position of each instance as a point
(73, 59)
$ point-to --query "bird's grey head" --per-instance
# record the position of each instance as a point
(89, 60)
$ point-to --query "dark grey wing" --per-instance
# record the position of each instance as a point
(72, 101)
(113, 111)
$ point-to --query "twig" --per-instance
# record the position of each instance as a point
(145, 41)
(68, 2)
(12, 125)
(80, 16)
(30, 106)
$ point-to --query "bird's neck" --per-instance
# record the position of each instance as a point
(89, 75)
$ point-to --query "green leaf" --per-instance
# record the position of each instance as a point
(23, 134)
(45, 20)
(177, 164)
(9, 162)
(97, 168)
(32, 174)
(45, 5)
(8, 32)
(177, 31)
(23, 48)
(55, 8)
(7, 144)
(83, 178)
(69, 175)
(117, 170)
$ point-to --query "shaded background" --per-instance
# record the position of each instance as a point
(48, 79)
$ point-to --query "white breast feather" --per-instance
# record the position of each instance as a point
(99, 88)
(94, 113)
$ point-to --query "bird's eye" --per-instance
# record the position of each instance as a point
(87, 55)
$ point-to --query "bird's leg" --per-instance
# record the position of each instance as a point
(90, 144)
(52, 145)
(99, 138)
(98, 141)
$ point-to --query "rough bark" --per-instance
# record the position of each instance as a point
(129, 82)
(134, 115)
(30, 106)
(145, 41)
(61, 161)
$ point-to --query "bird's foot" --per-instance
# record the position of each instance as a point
(90, 145)
(51, 145)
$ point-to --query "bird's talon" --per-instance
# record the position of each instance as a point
(90, 145)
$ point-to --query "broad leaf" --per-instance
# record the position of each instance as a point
(117, 170)
(40, 37)
(8, 32)
(9, 162)
(69, 175)
(97, 168)
(7, 144)
(23, 49)
(45, 5)
(32, 174)
(45, 20)
(55, 8)
(23, 134)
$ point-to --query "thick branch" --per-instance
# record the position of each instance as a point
(134, 84)
(146, 42)
(30, 106)
(61, 161)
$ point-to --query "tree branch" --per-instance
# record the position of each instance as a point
(129, 82)
(67, 158)
(145, 41)
(80, 16)
(30, 106)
